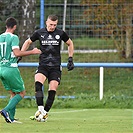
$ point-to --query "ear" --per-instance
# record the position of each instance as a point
(14, 27)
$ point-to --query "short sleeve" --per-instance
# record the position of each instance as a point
(65, 37)
(34, 37)
(15, 42)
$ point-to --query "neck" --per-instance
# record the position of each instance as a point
(9, 30)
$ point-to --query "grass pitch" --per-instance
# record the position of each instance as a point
(72, 121)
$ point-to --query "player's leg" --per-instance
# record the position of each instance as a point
(9, 111)
(53, 85)
(40, 77)
(54, 80)
(39, 80)
(13, 82)
(6, 114)
(13, 102)
(12, 112)
(50, 99)
(53, 76)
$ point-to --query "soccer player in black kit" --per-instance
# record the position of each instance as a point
(49, 67)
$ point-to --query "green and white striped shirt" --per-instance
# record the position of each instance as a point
(8, 42)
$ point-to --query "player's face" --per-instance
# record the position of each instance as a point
(51, 25)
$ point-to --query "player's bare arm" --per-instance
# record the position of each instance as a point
(26, 44)
(70, 64)
(17, 52)
(70, 47)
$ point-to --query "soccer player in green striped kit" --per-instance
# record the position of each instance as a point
(9, 72)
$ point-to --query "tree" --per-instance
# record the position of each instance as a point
(8, 8)
(27, 20)
(24, 11)
(115, 18)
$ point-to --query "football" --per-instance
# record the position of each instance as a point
(40, 117)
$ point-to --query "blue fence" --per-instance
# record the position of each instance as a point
(110, 65)
(81, 65)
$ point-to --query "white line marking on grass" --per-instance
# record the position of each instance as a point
(61, 112)
(69, 111)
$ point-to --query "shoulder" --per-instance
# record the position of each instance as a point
(59, 31)
(14, 37)
(40, 30)
(9, 34)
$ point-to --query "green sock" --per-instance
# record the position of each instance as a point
(12, 113)
(13, 102)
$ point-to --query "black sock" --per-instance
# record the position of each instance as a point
(50, 100)
(39, 93)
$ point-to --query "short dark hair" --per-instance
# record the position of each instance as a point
(53, 17)
(11, 22)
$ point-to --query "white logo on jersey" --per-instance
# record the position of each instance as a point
(57, 37)
(12, 55)
(50, 37)
(42, 36)
(50, 42)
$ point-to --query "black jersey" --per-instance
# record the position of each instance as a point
(50, 44)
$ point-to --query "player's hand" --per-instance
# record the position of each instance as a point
(70, 64)
(36, 51)
(19, 59)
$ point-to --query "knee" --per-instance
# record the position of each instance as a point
(22, 94)
(12, 94)
(38, 86)
(38, 89)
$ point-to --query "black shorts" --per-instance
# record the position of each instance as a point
(51, 73)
